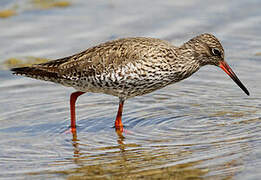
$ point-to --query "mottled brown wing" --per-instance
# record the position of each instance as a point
(102, 58)
(96, 60)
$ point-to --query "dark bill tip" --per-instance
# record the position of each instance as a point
(223, 65)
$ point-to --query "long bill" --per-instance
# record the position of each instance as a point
(223, 65)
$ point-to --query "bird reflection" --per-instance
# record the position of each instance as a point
(76, 153)
(120, 137)
(75, 144)
(121, 141)
(120, 160)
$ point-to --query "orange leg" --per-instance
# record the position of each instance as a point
(118, 122)
(73, 99)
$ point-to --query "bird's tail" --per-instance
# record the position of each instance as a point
(33, 72)
(37, 73)
(48, 71)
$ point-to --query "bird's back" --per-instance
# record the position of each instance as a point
(123, 67)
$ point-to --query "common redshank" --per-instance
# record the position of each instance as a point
(130, 67)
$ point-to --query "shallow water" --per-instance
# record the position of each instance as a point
(202, 128)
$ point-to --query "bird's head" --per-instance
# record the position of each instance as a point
(208, 50)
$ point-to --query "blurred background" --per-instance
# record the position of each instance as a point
(202, 128)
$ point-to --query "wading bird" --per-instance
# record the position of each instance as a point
(130, 67)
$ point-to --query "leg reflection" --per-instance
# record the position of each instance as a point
(75, 144)
(120, 137)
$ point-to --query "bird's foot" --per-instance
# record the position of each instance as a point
(121, 129)
(70, 131)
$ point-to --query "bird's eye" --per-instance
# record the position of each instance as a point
(216, 52)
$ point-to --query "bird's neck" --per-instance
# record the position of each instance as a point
(185, 64)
